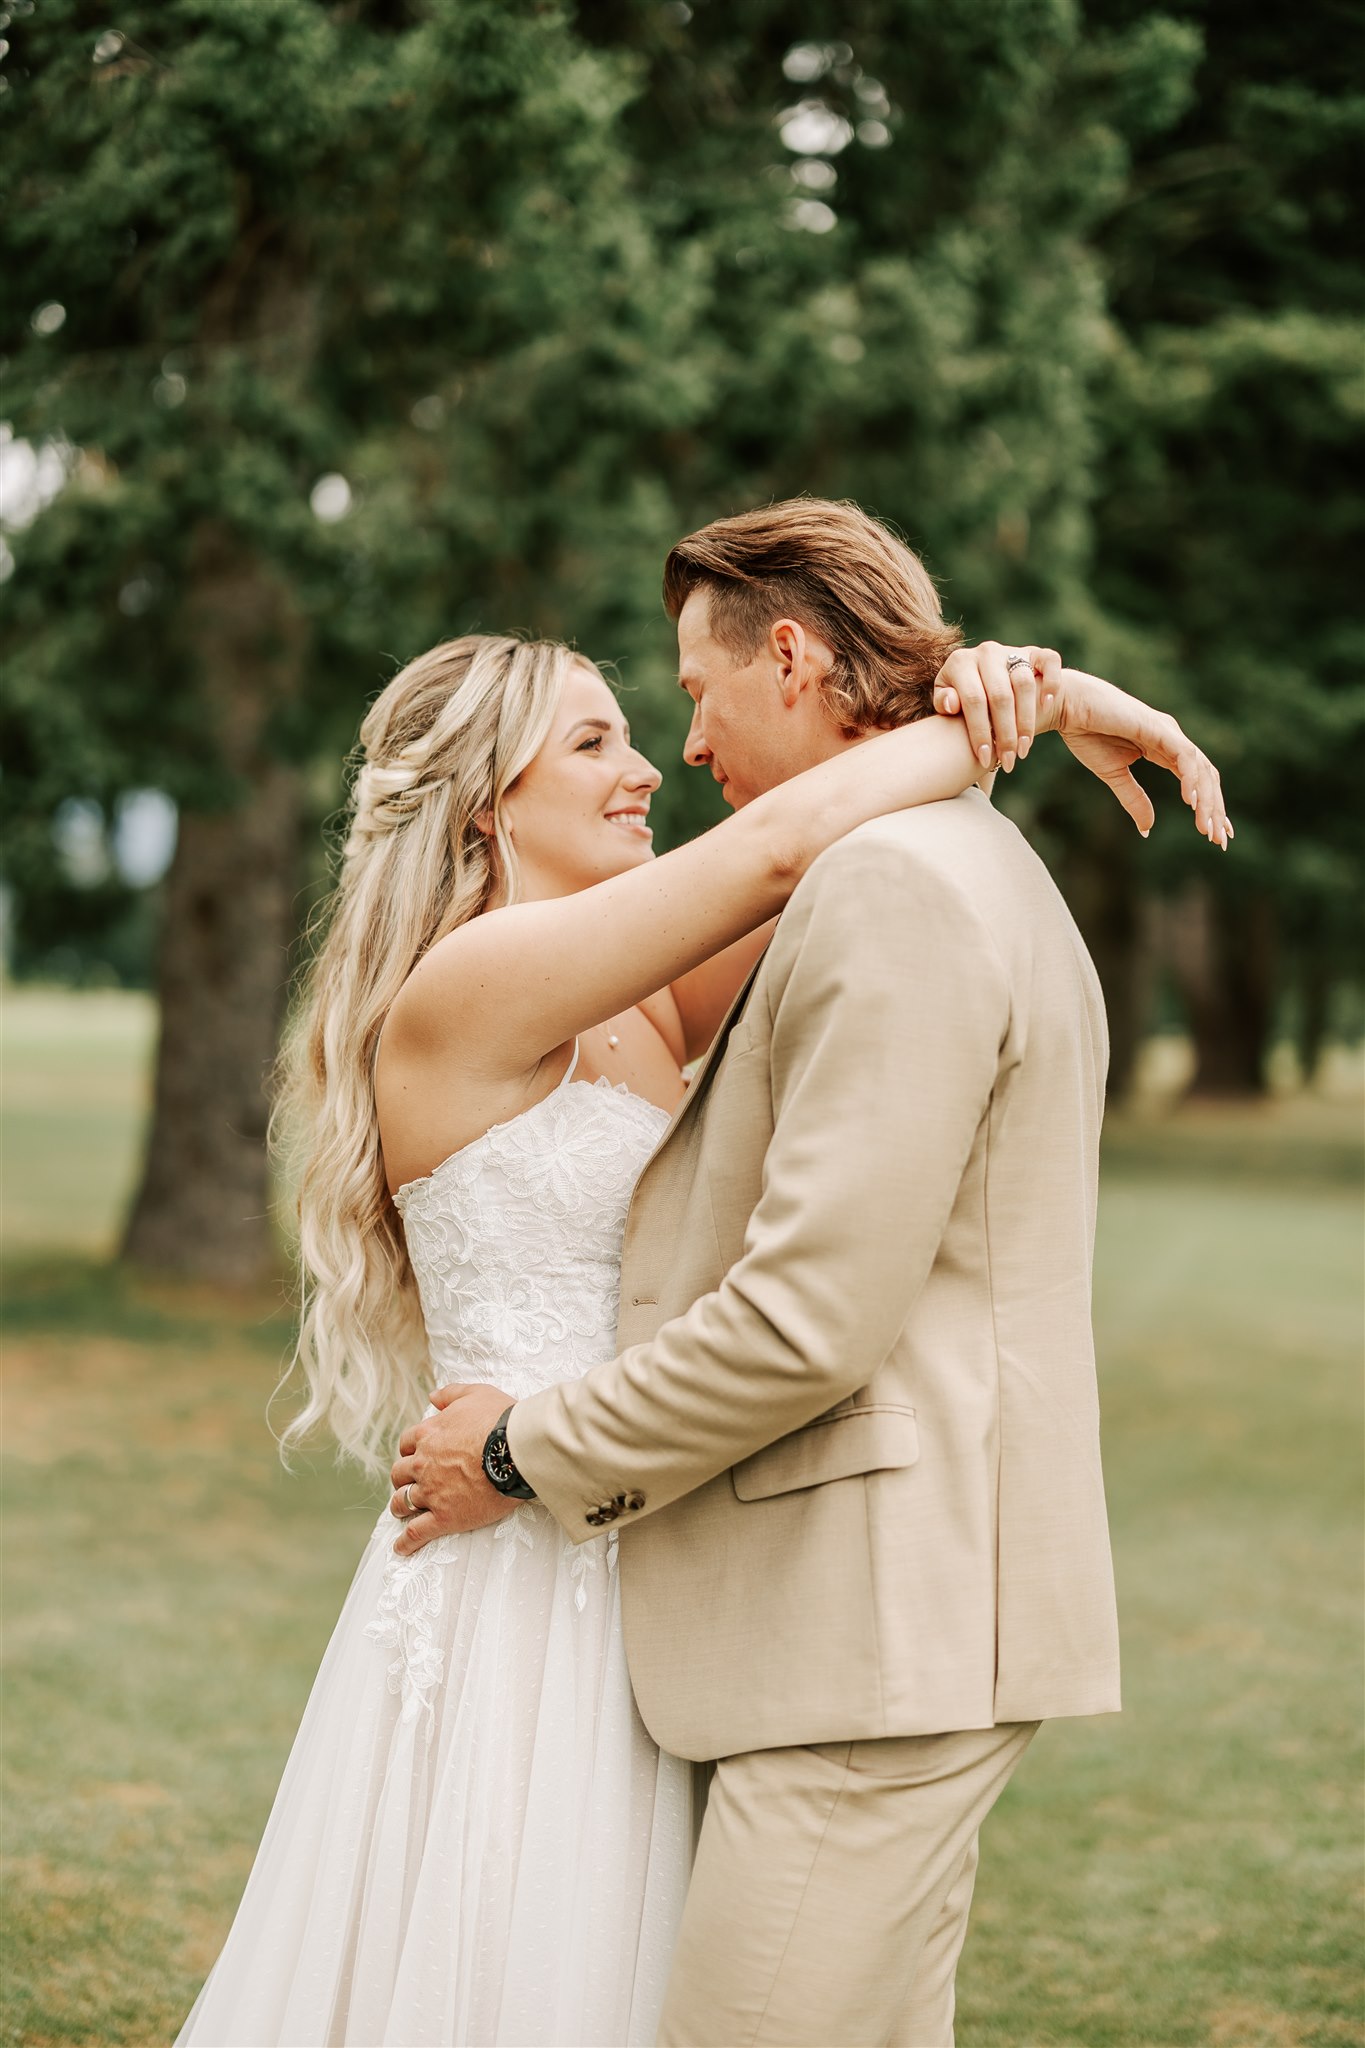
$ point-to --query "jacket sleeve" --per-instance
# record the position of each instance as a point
(890, 1009)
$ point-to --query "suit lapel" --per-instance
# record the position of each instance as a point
(639, 1251)
(706, 1065)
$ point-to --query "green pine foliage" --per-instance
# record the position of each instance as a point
(1229, 516)
(434, 316)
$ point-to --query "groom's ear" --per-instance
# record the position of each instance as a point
(802, 658)
(787, 646)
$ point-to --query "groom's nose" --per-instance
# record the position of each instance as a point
(696, 753)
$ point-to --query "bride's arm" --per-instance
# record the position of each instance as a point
(509, 987)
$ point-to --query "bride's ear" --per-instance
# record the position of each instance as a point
(483, 822)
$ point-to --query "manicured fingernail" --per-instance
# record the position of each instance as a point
(1025, 743)
(1145, 830)
(984, 756)
(1007, 762)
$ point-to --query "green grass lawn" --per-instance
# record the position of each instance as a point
(1187, 1873)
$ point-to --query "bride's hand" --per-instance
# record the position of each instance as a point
(1003, 693)
(1107, 730)
(1006, 706)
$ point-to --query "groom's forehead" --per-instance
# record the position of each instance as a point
(694, 620)
(700, 649)
(696, 647)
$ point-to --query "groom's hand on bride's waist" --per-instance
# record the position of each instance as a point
(440, 1485)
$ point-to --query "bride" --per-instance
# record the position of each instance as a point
(475, 1841)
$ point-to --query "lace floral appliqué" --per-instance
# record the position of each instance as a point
(408, 1607)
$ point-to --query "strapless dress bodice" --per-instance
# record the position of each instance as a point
(515, 1240)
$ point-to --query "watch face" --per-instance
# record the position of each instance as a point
(499, 1467)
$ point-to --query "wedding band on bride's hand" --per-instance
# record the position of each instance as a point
(1018, 661)
(409, 1504)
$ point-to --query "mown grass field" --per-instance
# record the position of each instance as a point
(1188, 1873)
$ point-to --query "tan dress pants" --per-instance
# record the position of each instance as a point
(829, 1901)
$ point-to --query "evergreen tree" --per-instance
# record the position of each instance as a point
(349, 323)
(359, 325)
(1229, 515)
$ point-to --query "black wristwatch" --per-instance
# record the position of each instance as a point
(498, 1466)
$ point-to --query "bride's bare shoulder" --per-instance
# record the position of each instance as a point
(436, 1091)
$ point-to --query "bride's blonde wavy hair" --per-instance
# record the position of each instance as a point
(424, 850)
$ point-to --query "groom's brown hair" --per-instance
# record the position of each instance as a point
(829, 565)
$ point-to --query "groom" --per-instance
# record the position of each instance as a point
(851, 1434)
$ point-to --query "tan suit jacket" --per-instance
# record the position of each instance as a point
(852, 1436)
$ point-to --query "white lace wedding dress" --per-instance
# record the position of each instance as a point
(475, 1841)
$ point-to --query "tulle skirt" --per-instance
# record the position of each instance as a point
(474, 1841)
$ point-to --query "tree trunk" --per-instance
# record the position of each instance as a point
(1315, 1009)
(203, 1206)
(1222, 953)
(1102, 892)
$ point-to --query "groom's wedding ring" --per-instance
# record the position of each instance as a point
(1018, 661)
(409, 1504)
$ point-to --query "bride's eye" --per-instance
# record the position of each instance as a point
(586, 746)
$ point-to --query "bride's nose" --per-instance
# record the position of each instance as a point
(643, 774)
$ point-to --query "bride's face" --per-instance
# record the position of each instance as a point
(580, 812)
